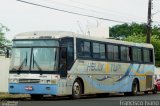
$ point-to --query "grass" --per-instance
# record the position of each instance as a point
(11, 96)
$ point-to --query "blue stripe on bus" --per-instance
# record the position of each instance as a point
(117, 86)
(127, 73)
(121, 85)
(138, 70)
(36, 89)
(102, 79)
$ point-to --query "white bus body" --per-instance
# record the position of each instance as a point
(63, 63)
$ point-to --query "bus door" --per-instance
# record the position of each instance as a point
(63, 62)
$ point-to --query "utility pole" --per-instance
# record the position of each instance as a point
(149, 28)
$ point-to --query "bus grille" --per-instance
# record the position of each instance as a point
(29, 80)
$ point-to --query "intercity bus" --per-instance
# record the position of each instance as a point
(64, 63)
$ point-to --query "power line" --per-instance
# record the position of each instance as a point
(94, 11)
(101, 18)
(100, 8)
(76, 7)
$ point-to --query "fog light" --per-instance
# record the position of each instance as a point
(48, 88)
(11, 87)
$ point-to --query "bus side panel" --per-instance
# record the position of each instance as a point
(65, 86)
(101, 77)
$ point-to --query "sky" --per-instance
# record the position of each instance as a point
(21, 17)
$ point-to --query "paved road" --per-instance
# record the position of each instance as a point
(114, 100)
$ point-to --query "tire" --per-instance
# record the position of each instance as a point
(154, 91)
(76, 89)
(127, 93)
(146, 92)
(36, 97)
(134, 88)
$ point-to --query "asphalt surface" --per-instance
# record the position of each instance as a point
(90, 100)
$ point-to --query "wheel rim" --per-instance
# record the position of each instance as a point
(76, 88)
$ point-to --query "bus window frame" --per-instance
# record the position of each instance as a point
(119, 47)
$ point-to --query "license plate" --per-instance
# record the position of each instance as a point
(29, 88)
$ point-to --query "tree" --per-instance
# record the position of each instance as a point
(120, 31)
(125, 30)
(3, 30)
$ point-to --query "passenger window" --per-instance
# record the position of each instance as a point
(135, 54)
(148, 55)
(125, 55)
(151, 55)
(113, 52)
(98, 51)
(102, 51)
(84, 49)
(110, 52)
(116, 53)
(139, 52)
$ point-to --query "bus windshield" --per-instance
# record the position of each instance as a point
(44, 59)
(34, 58)
(41, 59)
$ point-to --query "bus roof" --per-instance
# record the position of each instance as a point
(61, 34)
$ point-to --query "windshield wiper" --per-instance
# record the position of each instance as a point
(35, 62)
(24, 61)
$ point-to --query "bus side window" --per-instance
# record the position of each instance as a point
(81, 47)
(151, 55)
(84, 49)
(130, 54)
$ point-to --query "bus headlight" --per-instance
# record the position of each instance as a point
(13, 81)
(48, 81)
(53, 81)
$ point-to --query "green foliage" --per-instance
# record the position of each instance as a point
(125, 30)
(3, 40)
(155, 42)
(120, 30)
(136, 38)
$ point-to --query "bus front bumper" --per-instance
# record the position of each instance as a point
(47, 89)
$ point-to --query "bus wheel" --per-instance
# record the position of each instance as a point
(127, 93)
(134, 88)
(76, 89)
(145, 92)
(36, 97)
(154, 91)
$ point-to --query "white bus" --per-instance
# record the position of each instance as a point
(63, 63)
